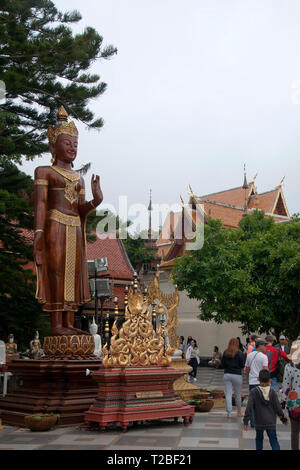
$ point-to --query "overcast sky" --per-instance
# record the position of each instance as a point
(197, 89)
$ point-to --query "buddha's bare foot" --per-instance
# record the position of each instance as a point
(77, 331)
(68, 322)
(61, 331)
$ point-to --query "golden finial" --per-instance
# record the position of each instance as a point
(161, 309)
(154, 315)
(281, 182)
(116, 307)
(106, 329)
(62, 114)
(126, 296)
(145, 294)
(135, 282)
(191, 191)
(255, 177)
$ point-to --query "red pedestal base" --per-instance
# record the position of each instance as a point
(50, 386)
(136, 394)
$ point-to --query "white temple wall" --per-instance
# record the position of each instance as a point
(207, 334)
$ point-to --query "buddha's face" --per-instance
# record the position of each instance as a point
(93, 329)
(65, 148)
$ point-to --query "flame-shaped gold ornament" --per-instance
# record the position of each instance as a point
(136, 343)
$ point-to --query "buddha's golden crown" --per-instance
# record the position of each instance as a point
(62, 126)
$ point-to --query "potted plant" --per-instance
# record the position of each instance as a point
(205, 405)
(202, 405)
(41, 421)
(202, 395)
(216, 394)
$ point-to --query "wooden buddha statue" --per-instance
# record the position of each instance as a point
(60, 217)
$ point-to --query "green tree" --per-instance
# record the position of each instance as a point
(109, 221)
(135, 246)
(20, 313)
(43, 66)
(138, 252)
(250, 275)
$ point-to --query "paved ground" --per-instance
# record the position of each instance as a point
(209, 431)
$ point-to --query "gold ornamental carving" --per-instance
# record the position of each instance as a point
(69, 346)
(170, 301)
(137, 343)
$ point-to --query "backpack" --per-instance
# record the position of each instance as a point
(280, 366)
(273, 373)
(279, 370)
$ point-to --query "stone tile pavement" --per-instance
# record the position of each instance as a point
(209, 431)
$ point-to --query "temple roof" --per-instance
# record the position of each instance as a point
(229, 206)
(119, 265)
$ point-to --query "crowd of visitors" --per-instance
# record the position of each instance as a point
(273, 373)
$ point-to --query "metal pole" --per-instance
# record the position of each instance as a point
(96, 298)
(102, 300)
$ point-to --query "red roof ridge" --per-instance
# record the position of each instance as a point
(220, 192)
(267, 192)
(223, 204)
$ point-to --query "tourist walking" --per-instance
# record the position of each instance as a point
(263, 401)
(182, 346)
(233, 363)
(251, 346)
(282, 345)
(274, 355)
(255, 362)
(241, 346)
(188, 342)
(290, 393)
(192, 358)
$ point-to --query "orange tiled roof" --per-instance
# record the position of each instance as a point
(167, 264)
(234, 197)
(229, 216)
(228, 206)
(119, 266)
(264, 201)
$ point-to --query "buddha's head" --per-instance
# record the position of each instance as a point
(93, 328)
(63, 138)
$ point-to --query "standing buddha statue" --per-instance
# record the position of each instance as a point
(60, 217)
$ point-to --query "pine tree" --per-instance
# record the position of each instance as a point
(20, 313)
(43, 65)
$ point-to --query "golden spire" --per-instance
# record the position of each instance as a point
(245, 187)
(245, 184)
(255, 177)
(191, 191)
(281, 182)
